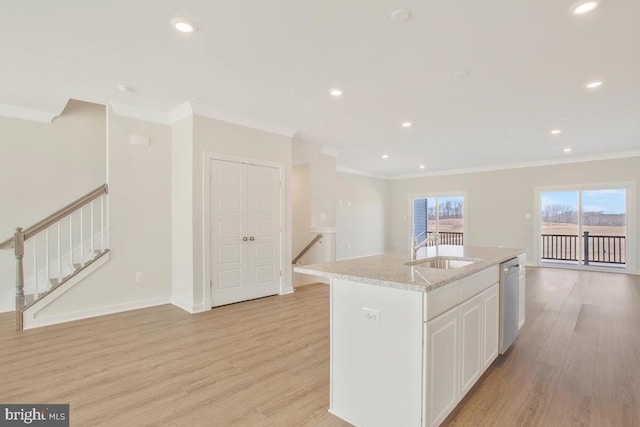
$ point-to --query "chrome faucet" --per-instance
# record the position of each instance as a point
(415, 245)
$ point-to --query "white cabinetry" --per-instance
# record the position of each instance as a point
(442, 358)
(461, 344)
(407, 358)
(491, 322)
(522, 260)
(471, 327)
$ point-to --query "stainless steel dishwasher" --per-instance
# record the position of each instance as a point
(509, 303)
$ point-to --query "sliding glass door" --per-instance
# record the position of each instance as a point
(583, 227)
(443, 215)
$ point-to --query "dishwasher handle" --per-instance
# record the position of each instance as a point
(512, 269)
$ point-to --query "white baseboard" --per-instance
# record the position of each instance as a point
(186, 306)
(93, 312)
(286, 290)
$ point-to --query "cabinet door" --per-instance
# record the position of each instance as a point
(471, 343)
(442, 370)
(522, 284)
(491, 325)
(521, 304)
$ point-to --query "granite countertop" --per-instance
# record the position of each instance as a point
(390, 269)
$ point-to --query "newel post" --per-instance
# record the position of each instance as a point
(18, 245)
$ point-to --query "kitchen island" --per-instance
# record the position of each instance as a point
(410, 338)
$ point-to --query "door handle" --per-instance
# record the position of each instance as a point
(252, 238)
(244, 239)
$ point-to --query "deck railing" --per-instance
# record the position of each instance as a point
(448, 238)
(595, 249)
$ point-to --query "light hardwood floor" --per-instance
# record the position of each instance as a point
(259, 363)
(266, 362)
(576, 361)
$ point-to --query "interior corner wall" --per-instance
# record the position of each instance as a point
(182, 214)
(302, 234)
(323, 191)
(497, 201)
(140, 226)
(362, 216)
(47, 166)
(215, 136)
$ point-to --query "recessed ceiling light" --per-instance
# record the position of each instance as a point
(183, 25)
(594, 84)
(400, 15)
(385, 156)
(335, 91)
(556, 131)
(406, 124)
(460, 74)
(421, 166)
(567, 150)
(584, 6)
(124, 88)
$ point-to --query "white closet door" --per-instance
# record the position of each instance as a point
(245, 231)
(228, 224)
(263, 227)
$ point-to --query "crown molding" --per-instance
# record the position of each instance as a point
(189, 108)
(22, 113)
(241, 120)
(140, 113)
(350, 171)
(582, 159)
(181, 112)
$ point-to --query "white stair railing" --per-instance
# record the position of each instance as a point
(58, 247)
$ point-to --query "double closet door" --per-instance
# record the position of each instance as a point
(245, 231)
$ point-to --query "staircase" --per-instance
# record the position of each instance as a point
(59, 251)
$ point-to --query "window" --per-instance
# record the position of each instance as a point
(584, 227)
(443, 215)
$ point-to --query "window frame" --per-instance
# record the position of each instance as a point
(631, 240)
(438, 195)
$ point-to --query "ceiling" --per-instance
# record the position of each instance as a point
(526, 66)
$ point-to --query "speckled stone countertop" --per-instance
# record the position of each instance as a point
(391, 269)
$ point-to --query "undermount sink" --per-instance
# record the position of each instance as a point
(443, 262)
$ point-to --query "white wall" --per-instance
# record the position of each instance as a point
(182, 217)
(303, 234)
(322, 182)
(47, 166)
(497, 201)
(362, 216)
(314, 206)
(140, 225)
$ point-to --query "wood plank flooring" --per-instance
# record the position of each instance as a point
(576, 362)
(259, 363)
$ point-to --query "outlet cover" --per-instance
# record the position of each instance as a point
(371, 315)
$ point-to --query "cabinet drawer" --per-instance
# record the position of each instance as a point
(476, 283)
(448, 296)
